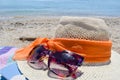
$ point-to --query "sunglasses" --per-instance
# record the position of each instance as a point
(60, 63)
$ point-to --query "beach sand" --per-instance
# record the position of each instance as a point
(14, 27)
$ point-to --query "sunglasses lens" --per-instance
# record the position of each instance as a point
(35, 60)
(64, 63)
(58, 70)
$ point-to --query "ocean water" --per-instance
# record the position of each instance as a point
(60, 7)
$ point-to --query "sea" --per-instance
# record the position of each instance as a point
(60, 7)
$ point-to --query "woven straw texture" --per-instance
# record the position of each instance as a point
(82, 28)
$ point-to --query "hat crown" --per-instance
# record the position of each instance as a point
(82, 28)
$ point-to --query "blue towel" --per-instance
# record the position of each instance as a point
(11, 71)
(8, 67)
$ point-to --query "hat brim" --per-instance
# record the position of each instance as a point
(103, 72)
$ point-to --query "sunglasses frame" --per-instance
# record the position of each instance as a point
(42, 51)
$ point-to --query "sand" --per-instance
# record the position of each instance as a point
(14, 27)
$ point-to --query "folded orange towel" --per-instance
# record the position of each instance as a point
(92, 51)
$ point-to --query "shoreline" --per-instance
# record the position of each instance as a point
(80, 15)
(13, 27)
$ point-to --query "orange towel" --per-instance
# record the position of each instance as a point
(92, 51)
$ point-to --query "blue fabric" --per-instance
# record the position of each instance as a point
(9, 68)
(9, 71)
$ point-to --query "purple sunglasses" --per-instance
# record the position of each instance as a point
(60, 63)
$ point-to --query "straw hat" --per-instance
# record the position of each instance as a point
(81, 28)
